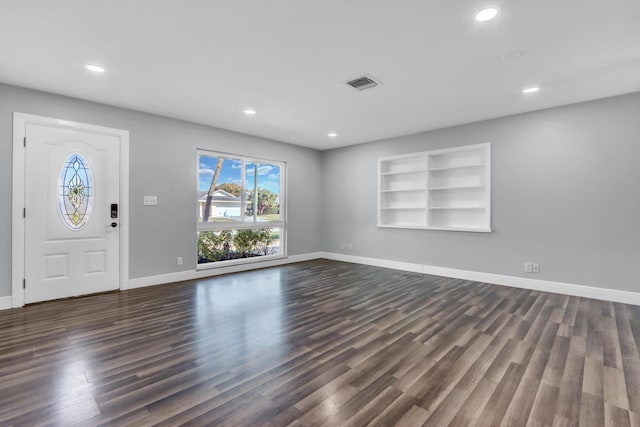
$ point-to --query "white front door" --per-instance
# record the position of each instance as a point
(72, 203)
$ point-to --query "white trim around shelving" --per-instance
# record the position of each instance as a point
(613, 295)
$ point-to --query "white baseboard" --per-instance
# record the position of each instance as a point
(141, 282)
(5, 303)
(378, 262)
(613, 295)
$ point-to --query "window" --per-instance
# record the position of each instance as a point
(75, 192)
(240, 209)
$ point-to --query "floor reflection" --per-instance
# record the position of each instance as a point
(74, 400)
(240, 316)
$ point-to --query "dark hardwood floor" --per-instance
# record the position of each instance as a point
(321, 343)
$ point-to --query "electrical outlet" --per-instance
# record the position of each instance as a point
(536, 268)
(528, 267)
(179, 260)
(150, 200)
(349, 246)
(341, 246)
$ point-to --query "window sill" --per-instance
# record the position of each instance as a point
(239, 261)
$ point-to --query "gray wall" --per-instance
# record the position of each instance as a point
(564, 182)
(565, 194)
(163, 163)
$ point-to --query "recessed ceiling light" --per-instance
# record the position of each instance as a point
(95, 68)
(486, 14)
(531, 89)
(250, 112)
(332, 135)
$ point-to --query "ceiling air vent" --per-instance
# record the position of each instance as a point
(362, 83)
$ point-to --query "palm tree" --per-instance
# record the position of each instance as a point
(212, 188)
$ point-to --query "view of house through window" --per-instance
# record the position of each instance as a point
(240, 208)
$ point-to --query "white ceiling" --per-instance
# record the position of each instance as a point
(206, 61)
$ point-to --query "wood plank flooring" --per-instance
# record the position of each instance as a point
(321, 343)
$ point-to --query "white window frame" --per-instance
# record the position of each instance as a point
(242, 224)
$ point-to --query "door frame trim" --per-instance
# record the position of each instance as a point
(20, 122)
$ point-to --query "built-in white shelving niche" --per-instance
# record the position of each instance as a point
(448, 189)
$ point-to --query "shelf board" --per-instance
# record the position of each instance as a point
(455, 207)
(403, 172)
(448, 228)
(403, 207)
(404, 189)
(413, 226)
(462, 228)
(445, 168)
(455, 187)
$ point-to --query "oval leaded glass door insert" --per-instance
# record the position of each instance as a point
(75, 196)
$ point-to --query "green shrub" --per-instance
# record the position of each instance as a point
(244, 242)
(228, 244)
(264, 239)
(214, 245)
